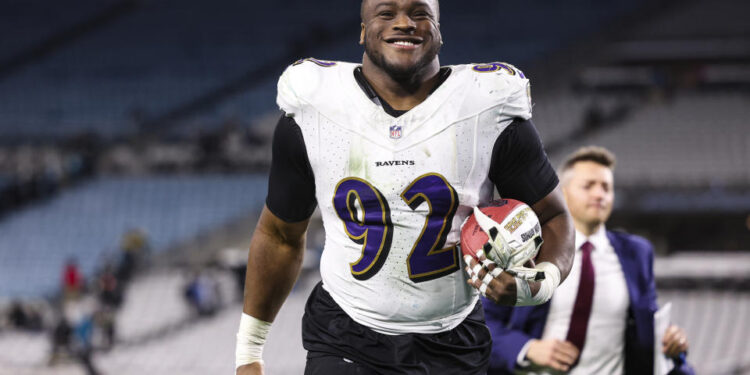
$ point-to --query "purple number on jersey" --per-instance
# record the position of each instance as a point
(374, 231)
(427, 259)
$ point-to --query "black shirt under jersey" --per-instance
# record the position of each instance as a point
(519, 167)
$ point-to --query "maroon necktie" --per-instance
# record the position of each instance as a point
(579, 321)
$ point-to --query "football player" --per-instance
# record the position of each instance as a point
(396, 151)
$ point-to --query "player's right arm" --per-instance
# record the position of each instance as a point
(278, 244)
(273, 265)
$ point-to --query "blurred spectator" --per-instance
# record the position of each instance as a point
(235, 260)
(110, 292)
(36, 172)
(110, 298)
(17, 316)
(105, 319)
(72, 279)
(134, 247)
(79, 312)
(202, 293)
(60, 340)
(39, 171)
(24, 317)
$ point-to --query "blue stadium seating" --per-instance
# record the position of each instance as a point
(162, 55)
(521, 32)
(88, 223)
(166, 53)
(26, 23)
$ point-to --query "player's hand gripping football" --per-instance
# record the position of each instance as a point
(510, 254)
(490, 280)
(513, 238)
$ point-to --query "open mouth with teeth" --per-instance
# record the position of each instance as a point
(404, 43)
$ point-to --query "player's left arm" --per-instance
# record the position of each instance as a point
(557, 231)
(557, 249)
(521, 170)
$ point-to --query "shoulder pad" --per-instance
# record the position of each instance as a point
(503, 81)
(498, 67)
(299, 80)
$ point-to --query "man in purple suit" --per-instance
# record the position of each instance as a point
(601, 319)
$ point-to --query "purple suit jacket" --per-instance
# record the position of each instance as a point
(512, 327)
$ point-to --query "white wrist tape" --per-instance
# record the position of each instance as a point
(250, 340)
(483, 290)
(496, 272)
(548, 285)
(476, 269)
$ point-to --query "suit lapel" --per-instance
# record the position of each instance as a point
(640, 330)
(629, 265)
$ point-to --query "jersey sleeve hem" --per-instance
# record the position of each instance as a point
(551, 185)
(288, 218)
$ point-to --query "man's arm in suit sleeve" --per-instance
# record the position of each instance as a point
(507, 343)
(682, 367)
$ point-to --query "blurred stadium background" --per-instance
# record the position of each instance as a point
(134, 147)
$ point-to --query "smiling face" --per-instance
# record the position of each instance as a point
(401, 37)
(589, 192)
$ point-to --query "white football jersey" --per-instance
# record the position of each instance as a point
(393, 192)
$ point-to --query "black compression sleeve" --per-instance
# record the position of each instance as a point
(520, 168)
(291, 184)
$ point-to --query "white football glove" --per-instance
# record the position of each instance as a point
(511, 249)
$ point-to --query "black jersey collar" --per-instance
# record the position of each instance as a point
(444, 73)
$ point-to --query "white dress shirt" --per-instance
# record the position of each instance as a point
(604, 349)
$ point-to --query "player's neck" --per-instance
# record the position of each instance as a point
(401, 95)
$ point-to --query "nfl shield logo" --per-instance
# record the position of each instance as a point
(395, 132)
